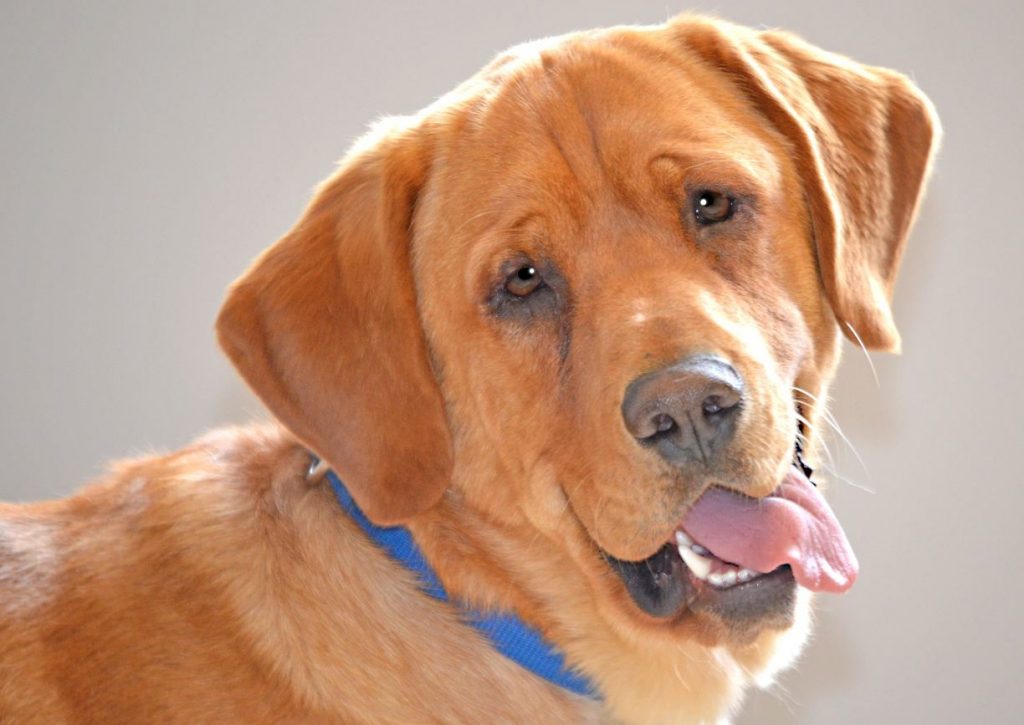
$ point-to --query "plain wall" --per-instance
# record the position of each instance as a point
(150, 150)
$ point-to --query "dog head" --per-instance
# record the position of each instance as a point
(601, 279)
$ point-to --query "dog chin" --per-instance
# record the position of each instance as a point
(772, 652)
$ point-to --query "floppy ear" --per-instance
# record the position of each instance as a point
(863, 139)
(324, 327)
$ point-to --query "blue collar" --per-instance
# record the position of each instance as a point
(509, 634)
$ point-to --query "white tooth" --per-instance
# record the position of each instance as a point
(729, 578)
(696, 563)
(716, 579)
(745, 575)
(700, 549)
(682, 539)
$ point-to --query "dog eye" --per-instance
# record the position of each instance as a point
(527, 290)
(712, 207)
(524, 281)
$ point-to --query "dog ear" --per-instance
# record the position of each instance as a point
(324, 327)
(863, 139)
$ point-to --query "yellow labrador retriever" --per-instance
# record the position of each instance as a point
(547, 359)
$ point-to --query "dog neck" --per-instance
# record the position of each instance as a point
(507, 633)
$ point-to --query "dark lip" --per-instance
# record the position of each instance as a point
(663, 587)
(660, 584)
(765, 601)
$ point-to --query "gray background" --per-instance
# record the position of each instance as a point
(150, 150)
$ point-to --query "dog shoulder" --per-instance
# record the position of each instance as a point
(140, 575)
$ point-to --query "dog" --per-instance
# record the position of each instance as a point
(566, 333)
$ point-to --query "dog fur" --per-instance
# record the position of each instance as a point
(220, 583)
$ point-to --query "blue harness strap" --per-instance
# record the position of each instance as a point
(509, 634)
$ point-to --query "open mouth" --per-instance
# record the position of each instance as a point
(742, 557)
(664, 585)
(707, 567)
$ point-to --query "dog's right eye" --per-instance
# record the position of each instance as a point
(527, 290)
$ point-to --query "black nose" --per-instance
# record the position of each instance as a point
(687, 411)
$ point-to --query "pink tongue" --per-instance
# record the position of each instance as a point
(793, 526)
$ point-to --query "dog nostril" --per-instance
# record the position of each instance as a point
(719, 405)
(712, 404)
(663, 423)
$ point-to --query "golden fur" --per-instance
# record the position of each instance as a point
(220, 584)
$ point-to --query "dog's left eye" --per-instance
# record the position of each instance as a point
(524, 281)
(712, 207)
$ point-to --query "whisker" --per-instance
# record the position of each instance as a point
(821, 439)
(834, 424)
(807, 423)
(675, 668)
(831, 419)
(824, 408)
(832, 473)
(849, 444)
(485, 212)
(781, 693)
(828, 453)
(832, 467)
(822, 442)
(808, 393)
(871, 363)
